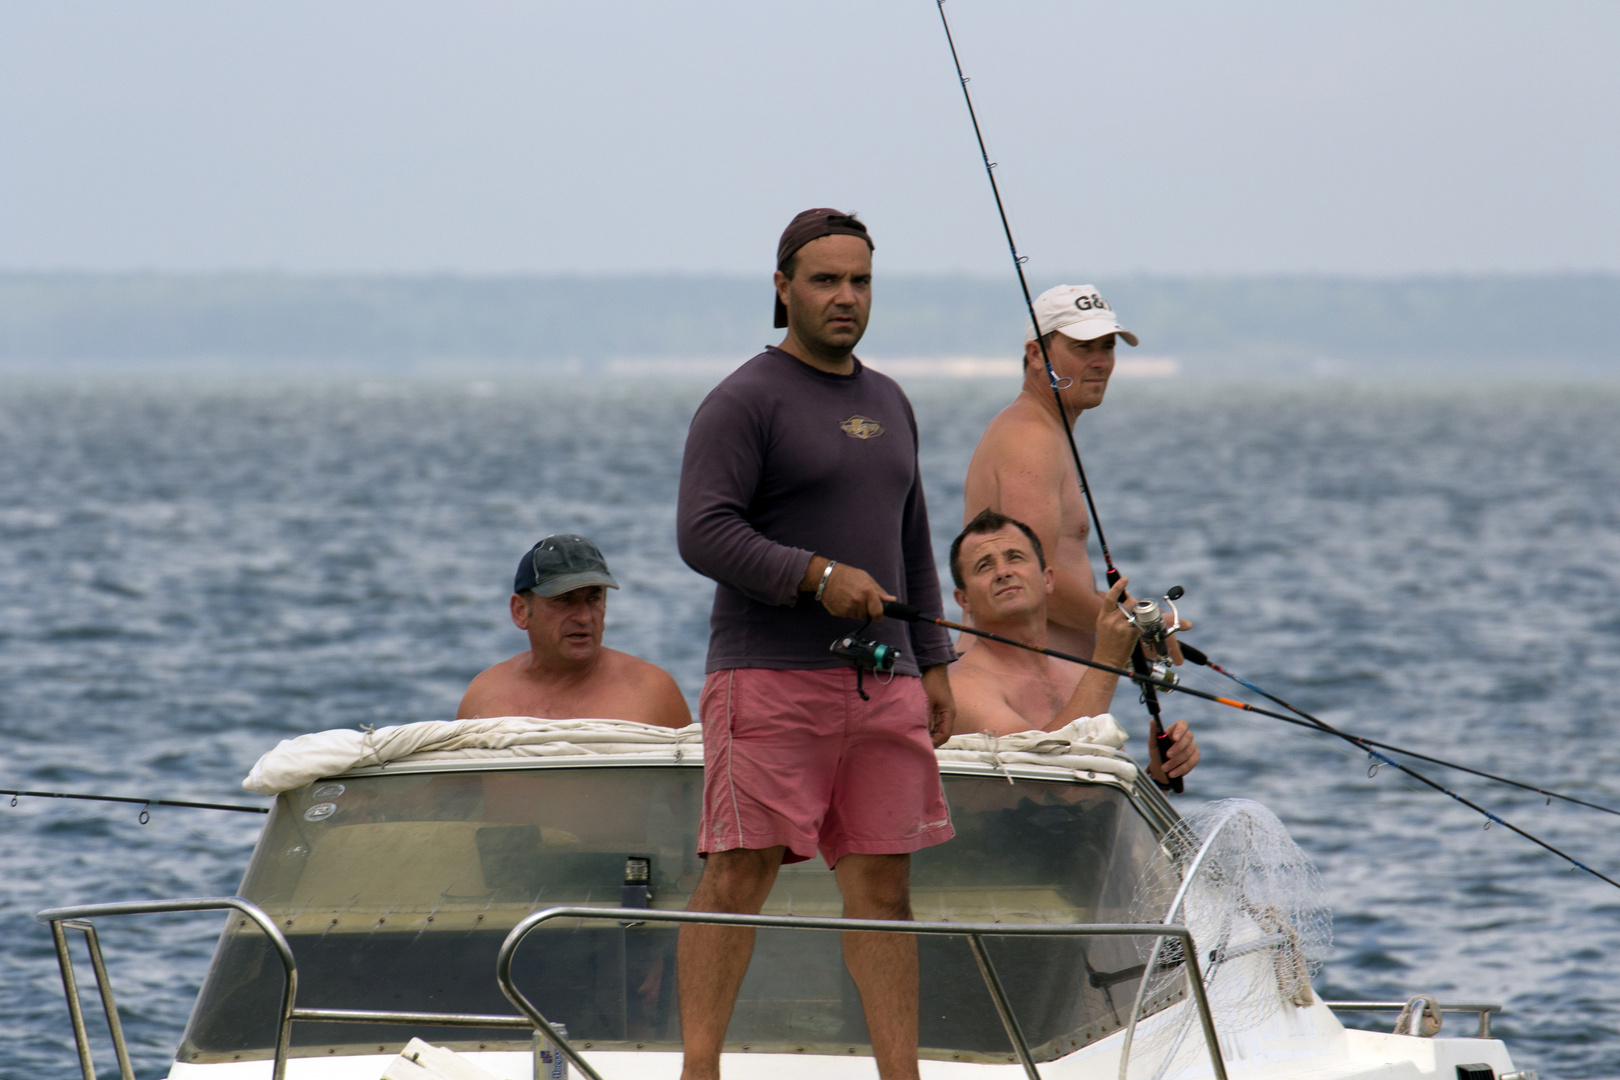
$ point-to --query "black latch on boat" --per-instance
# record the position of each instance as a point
(637, 890)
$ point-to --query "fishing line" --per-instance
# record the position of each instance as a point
(146, 803)
(1139, 660)
(910, 613)
(1198, 656)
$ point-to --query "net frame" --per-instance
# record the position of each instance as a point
(1256, 907)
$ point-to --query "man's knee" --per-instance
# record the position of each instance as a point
(876, 886)
(738, 880)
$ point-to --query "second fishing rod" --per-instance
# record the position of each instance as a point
(910, 613)
(1143, 664)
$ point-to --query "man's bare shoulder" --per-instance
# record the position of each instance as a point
(664, 703)
(968, 677)
(491, 685)
(976, 666)
(985, 668)
(1019, 435)
(1021, 417)
(616, 665)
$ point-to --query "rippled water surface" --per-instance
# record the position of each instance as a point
(189, 573)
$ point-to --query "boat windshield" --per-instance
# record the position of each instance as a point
(396, 891)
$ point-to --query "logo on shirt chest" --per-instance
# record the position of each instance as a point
(861, 427)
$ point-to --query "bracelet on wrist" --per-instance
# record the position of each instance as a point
(825, 575)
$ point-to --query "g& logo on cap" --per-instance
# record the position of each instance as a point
(1091, 302)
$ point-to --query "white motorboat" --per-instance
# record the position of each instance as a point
(443, 881)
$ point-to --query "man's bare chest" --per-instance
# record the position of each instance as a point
(1038, 697)
(1074, 521)
(597, 697)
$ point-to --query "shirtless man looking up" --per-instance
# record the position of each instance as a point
(1004, 584)
(1022, 466)
(559, 598)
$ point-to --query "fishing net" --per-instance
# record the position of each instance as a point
(1254, 904)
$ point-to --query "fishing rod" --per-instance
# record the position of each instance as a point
(1139, 659)
(146, 804)
(1199, 657)
(1057, 384)
(911, 613)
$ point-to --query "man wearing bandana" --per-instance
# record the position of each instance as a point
(801, 498)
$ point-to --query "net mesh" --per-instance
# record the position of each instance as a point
(1255, 906)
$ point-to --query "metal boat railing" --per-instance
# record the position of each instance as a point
(76, 918)
(974, 932)
(1484, 1011)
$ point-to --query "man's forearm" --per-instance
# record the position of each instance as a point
(721, 545)
(813, 573)
(1093, 697)
(936, 681)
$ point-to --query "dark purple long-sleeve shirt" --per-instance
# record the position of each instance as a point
(784, 461)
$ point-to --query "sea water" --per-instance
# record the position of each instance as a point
(191, 571)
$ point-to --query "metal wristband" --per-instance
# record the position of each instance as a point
(825, 574)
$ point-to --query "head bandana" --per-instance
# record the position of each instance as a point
(813, 225)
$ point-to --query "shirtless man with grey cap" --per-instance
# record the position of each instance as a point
(559, 598)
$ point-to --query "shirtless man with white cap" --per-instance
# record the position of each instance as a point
(1022, 467)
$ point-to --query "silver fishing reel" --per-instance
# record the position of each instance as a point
(1156, 631)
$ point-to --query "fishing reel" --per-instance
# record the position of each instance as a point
(1156, 631)
(866, 655)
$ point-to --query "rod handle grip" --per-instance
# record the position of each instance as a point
(1195, 654)
(894, 609)
(1164, 743)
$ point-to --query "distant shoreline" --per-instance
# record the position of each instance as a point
(1211, 327)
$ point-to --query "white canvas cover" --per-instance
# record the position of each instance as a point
(1086, 746)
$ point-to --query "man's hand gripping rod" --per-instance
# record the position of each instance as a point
(1151, 660)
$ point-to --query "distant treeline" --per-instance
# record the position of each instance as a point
(1569, 323)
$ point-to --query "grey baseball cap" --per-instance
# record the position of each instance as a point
(562, 563)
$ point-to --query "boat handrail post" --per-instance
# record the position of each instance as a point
(1195, 978)
(98, 964)
(1009, 1020)
(503, 977)
(78, 918)
(974, 932)
(70, 986)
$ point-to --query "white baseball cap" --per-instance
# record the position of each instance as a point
(1078, 311)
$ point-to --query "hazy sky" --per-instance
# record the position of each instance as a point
(1256, 136)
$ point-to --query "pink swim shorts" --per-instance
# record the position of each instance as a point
(797, 758)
